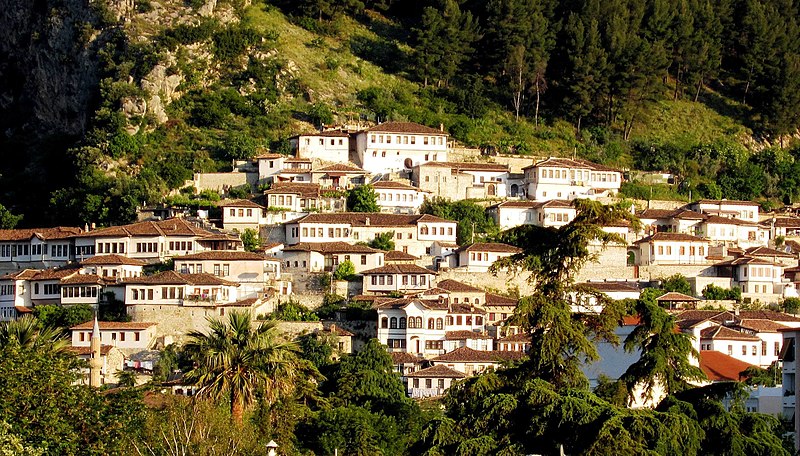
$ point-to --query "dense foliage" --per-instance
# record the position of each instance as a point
(472, 218)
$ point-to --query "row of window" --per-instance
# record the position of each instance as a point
(405, 197)
(180, 246)
(433, 323)
(78, 292)
(192, 268)
(87, 336)
(428, 383)
(578, 175)
(435, 230)
(753, 349)
(387, 279)
(682, 250)
(7, 290)
(110, 247)
(49, 288)
(759, 289)
(146, 247)
(322, 141)
(387, 139)
(761, 271)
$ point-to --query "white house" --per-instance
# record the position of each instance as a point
(398, 198)
(398, 146)
(316, 257)
(332, 146)
(113, 266)
(37, 247)
(480, 256)
(460, 180)
(671, 248)
(564, 178)
(432, 381)
(294, 170)
(297, 198)
(741, 210)
(339, 176)
(254, 272)
(551, 213)
(733, 232)
(241, 214)
(391, 278)
(170, 288)
(758, 279)
(130, 337)
(269, 165)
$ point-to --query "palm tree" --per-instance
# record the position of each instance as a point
(27, 334)
(238, 360)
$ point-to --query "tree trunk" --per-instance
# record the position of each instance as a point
(578, 130)
(746, 89)
(536, 112)
(699, 87)
(237, 409)
(677, 84)
(610, 108)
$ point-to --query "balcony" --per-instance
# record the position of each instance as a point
(201, 300)
(427, 392)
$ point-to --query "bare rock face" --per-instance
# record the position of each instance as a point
(156, 109)
(158, 82)
(207, 10)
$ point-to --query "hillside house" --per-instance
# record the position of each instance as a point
(253, 272)
(130, 337)
(740, 210)
(480, 256)
(329, 146)
(339, 176)
(316, 257)
(399, 146)
(113, 266)
(563, 178)
(552, 213)
(458, 181)
(269, 165)
(300, 197)
(38, 247)
(241, 214)
(398, 197)
(403, 278)
(294, 170)
(671, 249)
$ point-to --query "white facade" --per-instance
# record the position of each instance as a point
(741, 210)
(562, 178)
(671, 249)
(398, 198)
(397, 278)
(553, 213)
(128, 336)
(397, 146)
(332, 146)
(269, 165)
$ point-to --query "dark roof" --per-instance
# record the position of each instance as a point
(405, 127)
(397, 255)
(518, 337)
(268, 156)
(170, 227)
(535, 204)
(490, 247)
(304, 189)
(687, 214)
(744, 260)
(456, 286)
(783, 222)
(176, 278)
(437, 371)
(464, 335)
(656, 213)
(716, 219)
(329, 247)
(404, 358)
(223, 255)
(112, 259)
(466, 354)
(720, 367)
(84, 351)
(725, 201)
(758, 325)
(399, 268)
(58, 232)
(570, 163)
(239, 203)
(340, 168)
(374, 219)
(766, 251)
(499, 301)
(725, 333)
(671, 237)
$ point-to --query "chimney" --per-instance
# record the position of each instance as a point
(366, 221)
(93, 226)
(441, 127)
(736, 310)
(333, 328)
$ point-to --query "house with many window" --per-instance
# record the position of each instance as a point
(297, 198)
(329, 146)
(402, 278)
(740, 210)
(171, 288)
(414, 234)
(399, 146)
(269, 165)
(552, 213)
(241, 214)
(113, 266)
(253, 272)
(458, 181)
(37, 247)
(564, 178)
(671, 249)
(315, 257)
(339, 176)
(130, 337)
(294, 169)
(398, 198)
(480, 256)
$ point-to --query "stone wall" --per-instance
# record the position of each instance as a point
(222, 181)
(501, 282)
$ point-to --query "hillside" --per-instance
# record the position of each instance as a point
(112, 106)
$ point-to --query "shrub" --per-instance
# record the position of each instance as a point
(293, 311)
(345, 271)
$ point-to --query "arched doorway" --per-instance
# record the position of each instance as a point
(631, 258)
(408, 163)
(491, 190)
(514, 189)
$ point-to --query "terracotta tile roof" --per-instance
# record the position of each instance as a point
(112, 259)
(495, 300)
(744, 260)
(327, 134)
(720, 367)
(535, 204)
(656, 213)
(339, 331)
(405, 127)
(374, 218)
(297, 160)
(490, 247)
(399, 268)
(223, 255)
(239, 203)
(518, 337)
(469, 166)
(611, 287)
(687, 214)
(240, 303)
(464, 335)
(569, 163)
(466, 354)
(393, 185)
(330, 247)
(25, 274)
(456, 286)
(23, 309)
(762, 326)
(783, 222)
(85, 279)
(437, 371)
(766, 251)
(717, 220)
(170, 227)
(24, 234)
(176, 278)
(767, 315)
(673, 237)
(725, 333)
(269, 156)
(304, 189)
(631, 320)
(464, 308)
(397, 255)
(111, 325)
(340, 168)
(727, 202)
(673, 296)
(404, 358)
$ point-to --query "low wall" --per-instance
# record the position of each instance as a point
(221, 181)
(500, 282)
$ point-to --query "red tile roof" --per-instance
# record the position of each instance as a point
(170, 227)
(404, 358)
(674, 237)
(58, 232)
(720, 367)
(437, 371)
(717, 220)
(328, 133)
(725, 333)
(393, 185)
(397, 255)
(762, 326)
(85, 279)
(469, 166)
(464, 335)
(673, 296)
(569, 163)
(330, 247)
(340, 168)
(176, 278)
(304, 189)
(223, 255)
(369, 219)
(111, 325)
(495, 300)
(727, 202)
(112, 259)
(490, 247)
(456, 286)
(766, 251)
(399, 268)
(518, 337)
(85, 351)
(466, 354)
(239, 203)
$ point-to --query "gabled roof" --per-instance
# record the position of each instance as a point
(393, 185)
(464, 335)
(239, 203)
(611, 287)
(495, 300)
(112, 259)
(269, 156)
(720, 367)
(223, 255)
(340, 168)
(397, 255)
(24, 234)
(84, 279)
(171, 227)
(304, 189)
(726, 201)
(405, 127)
(176, 278)
(673, 237)
(554, 203)
(783, 222)
(745, 260)
(656, 213)
(466, 354)
(437, 371)
(329, 247)
(761, 326)
(555, 162)
(109, 325)
(674, 296)
(404, 358)
(327, 133)
(458, 287)
(468, 166)
(40, 274)
(490, 247)
(724, 333)
(399, 268)
(518, 337)
(369, 219)
(766, 251)
(717, 220)
(686, 214)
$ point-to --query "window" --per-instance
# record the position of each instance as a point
(441, 383)
(363, 259)
(744, 350)
(393, 323)
(402, 322)
(384, 322)
(122, 337)
(755, 350)
(439, 323)
(431, 323)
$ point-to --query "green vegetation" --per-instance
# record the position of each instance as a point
(363, 199)
(293, 311)
(677, 283)
(250, 240)
(471, 217)
(383, 241)
(715, 293)
(63, 317)
(345, 271)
